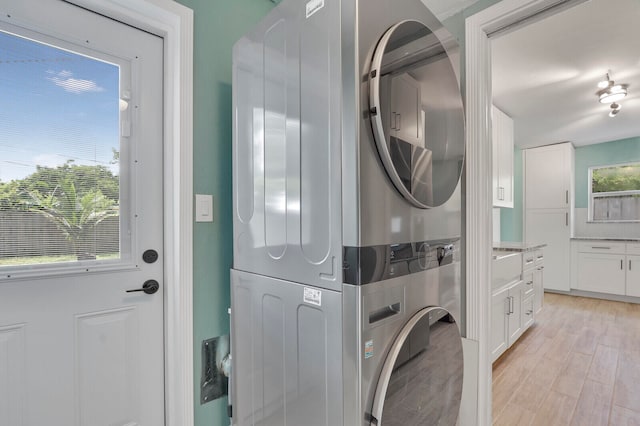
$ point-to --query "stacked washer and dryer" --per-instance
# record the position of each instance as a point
(347, 156)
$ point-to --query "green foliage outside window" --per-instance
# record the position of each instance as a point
(617, 178)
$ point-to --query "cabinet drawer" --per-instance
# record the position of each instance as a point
(605, 247)
(527, 289)
(528, 260)
(539, 257)
(633, 248)
(528, 312)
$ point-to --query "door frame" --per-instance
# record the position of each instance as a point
(479, 171)
(174, 23)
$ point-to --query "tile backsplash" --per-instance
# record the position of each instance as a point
(582, 228)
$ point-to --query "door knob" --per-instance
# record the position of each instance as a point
(149, 287)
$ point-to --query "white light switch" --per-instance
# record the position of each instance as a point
(204, 208)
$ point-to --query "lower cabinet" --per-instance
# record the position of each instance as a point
(633, 275)
(512, 313)
(538, 289)
(607, 267)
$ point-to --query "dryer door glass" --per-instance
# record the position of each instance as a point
(421, 379)
(416, 113)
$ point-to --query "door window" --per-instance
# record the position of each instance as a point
(61, 183)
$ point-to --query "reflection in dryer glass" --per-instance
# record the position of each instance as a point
(426, 385)
(417, 117)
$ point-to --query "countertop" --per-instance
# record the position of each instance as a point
(604, 239)
(517, 247)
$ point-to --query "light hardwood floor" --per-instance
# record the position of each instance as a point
(579, 364)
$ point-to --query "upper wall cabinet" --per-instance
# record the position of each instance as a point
(502, 135)
(548, 176)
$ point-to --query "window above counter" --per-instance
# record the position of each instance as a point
(614, 193)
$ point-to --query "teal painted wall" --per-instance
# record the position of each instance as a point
(620, 151)
(217, 26)
(614, 152)
(511, 219)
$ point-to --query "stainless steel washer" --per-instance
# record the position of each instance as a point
(348, 151)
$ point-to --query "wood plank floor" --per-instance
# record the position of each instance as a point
(579, 364)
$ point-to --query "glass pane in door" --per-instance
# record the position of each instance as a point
(59, 154)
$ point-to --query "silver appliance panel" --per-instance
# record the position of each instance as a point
(287, 146)
(374, 211)
(287, 352)
(371, 327)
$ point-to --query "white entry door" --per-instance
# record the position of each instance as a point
(80, 204)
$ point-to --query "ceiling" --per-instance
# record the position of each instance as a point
(545, 74)
(443, 9)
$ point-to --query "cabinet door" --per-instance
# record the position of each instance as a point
(502, 143)
(499, 310)
(495, 143)
(406, 101)
(633, 275)
(548, 177)
(551, 227)
(515, 312)
(538, 289)
(602, 273)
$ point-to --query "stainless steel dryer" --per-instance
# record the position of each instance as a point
(348, 150)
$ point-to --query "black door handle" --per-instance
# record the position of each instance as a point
(149, 287)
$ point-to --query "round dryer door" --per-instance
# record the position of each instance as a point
(417, 114)
(421, 378)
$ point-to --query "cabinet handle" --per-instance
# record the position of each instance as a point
(621, 266)
(399, 123)
(629, 264)
(529, 282)
(566, 219)
(567, 196)
(510, 304)
(601, 248)
(529, 312)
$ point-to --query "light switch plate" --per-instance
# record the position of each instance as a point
(204, 208)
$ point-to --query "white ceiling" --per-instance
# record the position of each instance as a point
(443, 9)
(545, 74)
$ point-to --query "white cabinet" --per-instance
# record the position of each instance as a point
(633, 275)
(551, 227)
(499, 322)
(602, 273)
(515, 313)
(406, 110)
(548, 176)
(607, 267)
(509, 316)
(502, 138)
(548, 201)
(538, 289)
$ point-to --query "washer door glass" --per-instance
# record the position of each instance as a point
(417, 114)
(421, 379)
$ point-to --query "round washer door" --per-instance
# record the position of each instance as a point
(421, 378)
(417, 114)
